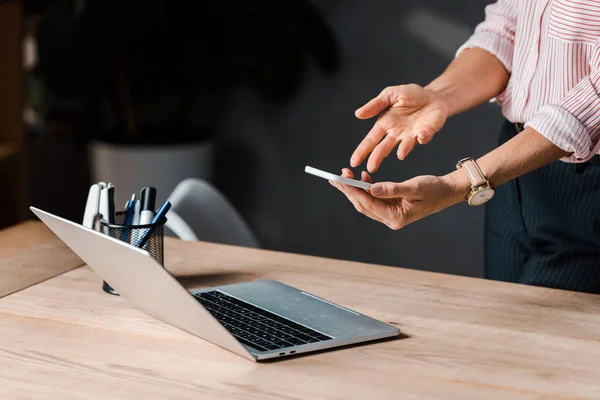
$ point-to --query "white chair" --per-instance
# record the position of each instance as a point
(201, 212)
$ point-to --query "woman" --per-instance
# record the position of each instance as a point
(541, 61)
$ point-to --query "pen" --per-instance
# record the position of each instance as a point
(135, 221)
(92, 206)
(147, 206)
(110, 190)
(136, 213)
(107, 205)
(129, 211)
(160, 215)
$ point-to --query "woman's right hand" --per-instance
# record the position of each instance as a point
(408, 114)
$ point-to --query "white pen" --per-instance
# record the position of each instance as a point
(92, 206)
(107, 205)
(103, 206)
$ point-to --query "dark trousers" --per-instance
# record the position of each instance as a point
(543, 228)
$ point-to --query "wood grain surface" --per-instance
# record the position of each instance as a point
(30, 253)
(464, 338)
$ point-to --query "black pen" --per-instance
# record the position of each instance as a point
(111, 204)
(147, 206)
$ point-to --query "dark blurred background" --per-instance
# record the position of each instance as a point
(243, 94)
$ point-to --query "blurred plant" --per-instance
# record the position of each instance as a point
(129, 71)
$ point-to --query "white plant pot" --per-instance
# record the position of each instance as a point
(129, 168)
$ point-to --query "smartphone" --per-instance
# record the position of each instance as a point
(337, 178)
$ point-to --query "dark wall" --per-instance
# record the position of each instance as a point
(264, 148)
(382, 43)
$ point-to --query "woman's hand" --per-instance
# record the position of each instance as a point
(399, 204)
(408, 114)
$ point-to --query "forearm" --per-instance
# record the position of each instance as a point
(473, 78)
(525, 152)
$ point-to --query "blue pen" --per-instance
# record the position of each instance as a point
(129, 209)
(159, 216)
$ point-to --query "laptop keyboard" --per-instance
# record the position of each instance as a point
(256, 327)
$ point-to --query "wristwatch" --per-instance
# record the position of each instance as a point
(481, 190)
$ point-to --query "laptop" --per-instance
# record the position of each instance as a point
(257, 320)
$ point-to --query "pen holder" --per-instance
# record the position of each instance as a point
(133, 234)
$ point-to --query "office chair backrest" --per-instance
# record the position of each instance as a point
(200, 212)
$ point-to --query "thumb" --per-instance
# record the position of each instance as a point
(388, 190)
(375, 106)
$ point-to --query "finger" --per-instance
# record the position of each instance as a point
(347, 173)
(363, 202)
(425, 135)
(375, 106)
(365, 177)
(388, 190)
(366, 201)
(372, 207)
(367, 205)
(370, 204)
(397, 96)
(380, 152)
(405, 147)
(350, 193)
(367, 145)
(361, 208)
(409, 95)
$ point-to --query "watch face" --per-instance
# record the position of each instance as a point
(482, 196)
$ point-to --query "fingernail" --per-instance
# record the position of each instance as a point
(376, 190)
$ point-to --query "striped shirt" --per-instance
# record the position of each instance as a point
(552, 50)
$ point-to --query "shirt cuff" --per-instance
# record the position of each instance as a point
(565, 131)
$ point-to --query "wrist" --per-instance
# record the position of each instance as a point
(442, 95)
(458, 184)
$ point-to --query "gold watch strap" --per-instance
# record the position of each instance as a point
(473, 172)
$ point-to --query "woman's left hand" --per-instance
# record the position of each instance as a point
(399, 204)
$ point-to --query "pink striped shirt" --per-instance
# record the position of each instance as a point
(552, 50)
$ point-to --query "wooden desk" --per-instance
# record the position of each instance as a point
(30, 253)
(466, 338)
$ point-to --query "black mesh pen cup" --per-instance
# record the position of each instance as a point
(151, 234)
